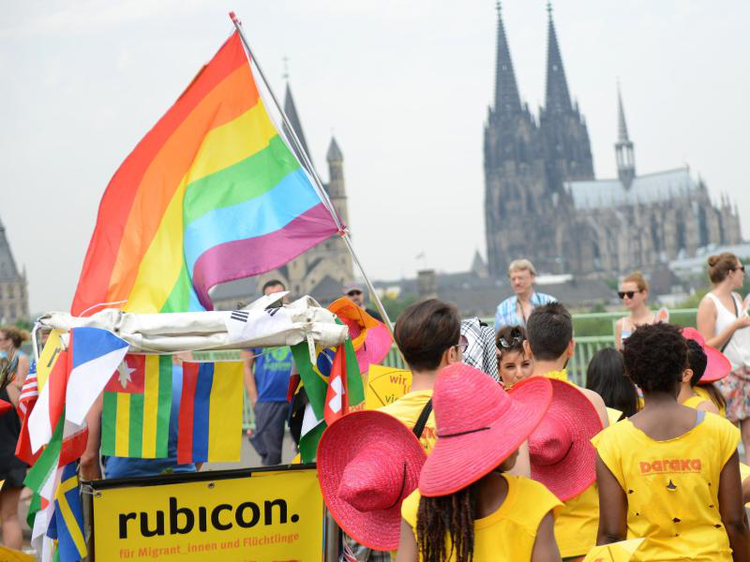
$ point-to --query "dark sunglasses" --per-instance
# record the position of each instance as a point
(354, 293)
(629, 294)
(741, 268)
(516, 337)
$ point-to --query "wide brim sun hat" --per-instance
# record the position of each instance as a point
(368, 463)
(560, 450)
(717, 364)
(479, 426)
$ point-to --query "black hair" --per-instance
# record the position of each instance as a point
(655, 357)
(606, 376)
(425, 330)
(272, 283)
(549, 330)
(509, 339)
(697, 360)
(450, 516)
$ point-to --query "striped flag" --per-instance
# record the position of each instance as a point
(210, 420)
(29, 392)
(67, 524)
(78, 377)
(137, 406)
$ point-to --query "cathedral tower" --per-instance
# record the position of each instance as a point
(566, 138)
(624, 147)
(14, 301)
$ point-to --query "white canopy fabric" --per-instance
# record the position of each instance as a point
(256, 325)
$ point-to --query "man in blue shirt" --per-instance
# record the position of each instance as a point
(267, 373)
(514, 310)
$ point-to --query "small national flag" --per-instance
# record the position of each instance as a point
(67, 525)
(26, 401)
(75, 383)
(137, 406)
(210, 419)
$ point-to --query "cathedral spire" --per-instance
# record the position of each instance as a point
(507, 99)
(291, 112)
(558, 96)
(623, 147)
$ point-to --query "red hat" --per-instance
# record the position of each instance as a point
(479, 425)
(717, 364)
(368, 462)
(560, 450)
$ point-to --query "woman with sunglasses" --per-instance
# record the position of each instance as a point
(633, 292)
(722, 320)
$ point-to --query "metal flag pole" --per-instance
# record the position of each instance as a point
(309, 168)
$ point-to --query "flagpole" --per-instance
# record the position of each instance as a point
(307, 163)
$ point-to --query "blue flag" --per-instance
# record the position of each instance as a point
(67, 524)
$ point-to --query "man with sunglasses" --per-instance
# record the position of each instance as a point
(515, 310)
(355, 293)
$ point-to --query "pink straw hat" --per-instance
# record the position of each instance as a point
(717, 364)
(560, 450)
(368, 462)
(479, 425)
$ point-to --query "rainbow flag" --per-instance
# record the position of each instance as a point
(211, 194)
(210, 419)
(137, 406)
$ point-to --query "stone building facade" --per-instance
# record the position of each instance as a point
(542, 200)
(14, 298)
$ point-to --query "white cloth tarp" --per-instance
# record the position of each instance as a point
(256, 325)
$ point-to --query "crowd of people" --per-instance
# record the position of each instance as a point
(527, 465)
(495, 453)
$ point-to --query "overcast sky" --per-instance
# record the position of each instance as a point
(403, 85)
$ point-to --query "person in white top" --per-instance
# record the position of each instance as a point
(634, 293)
(723, 322)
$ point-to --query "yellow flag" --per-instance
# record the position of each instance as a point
(48, 357)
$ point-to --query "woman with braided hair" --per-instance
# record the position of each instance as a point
(467, 508)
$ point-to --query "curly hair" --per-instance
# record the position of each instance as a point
(655, 357)
(452, 516)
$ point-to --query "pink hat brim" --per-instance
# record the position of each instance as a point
(576, 471)
(340, 442)
(717, 366)
(456, 462)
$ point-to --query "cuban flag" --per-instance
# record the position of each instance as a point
(78, 377)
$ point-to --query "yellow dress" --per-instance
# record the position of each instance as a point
(508, 534)
(407, 410)
(672, 487)
(577, 523)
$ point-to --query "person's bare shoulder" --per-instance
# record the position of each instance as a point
(598, 402)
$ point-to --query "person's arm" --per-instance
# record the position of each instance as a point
(613, 506)
(618, 334)
(746, 490)
(90, 467)
(21, 371)
(545, 545)
(248, 359)
(706, 324)
(407, 544)
(733, 510)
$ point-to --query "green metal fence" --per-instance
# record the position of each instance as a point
(602, 324)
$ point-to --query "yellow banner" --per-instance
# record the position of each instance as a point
(48, 357)
(266, 517)
(386, 385)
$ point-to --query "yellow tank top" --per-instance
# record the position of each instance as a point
(577, 523)
(407, 409)
(702, 392)
(672, 487)
(508, 534)
(694, 401)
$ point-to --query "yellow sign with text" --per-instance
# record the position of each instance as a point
(267, 517)
(385, 385)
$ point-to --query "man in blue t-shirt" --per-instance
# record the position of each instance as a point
(267, 373)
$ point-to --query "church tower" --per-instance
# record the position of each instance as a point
(624, 147)
(566, 138)
(14, 300)
(515, 179)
